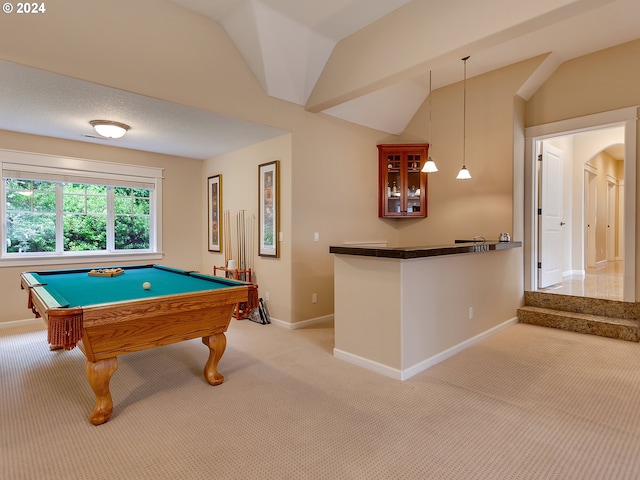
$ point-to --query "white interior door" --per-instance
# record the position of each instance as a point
(550, 216)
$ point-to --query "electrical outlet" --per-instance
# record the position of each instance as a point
(266, 296)
(316, 236)
(314, 298)
(470, 313)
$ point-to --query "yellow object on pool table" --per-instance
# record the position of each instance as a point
(106, 272)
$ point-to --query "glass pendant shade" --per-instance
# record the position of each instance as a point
(463, 174)
(430, 166)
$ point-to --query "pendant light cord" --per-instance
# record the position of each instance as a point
(430, 108)
(464, 115)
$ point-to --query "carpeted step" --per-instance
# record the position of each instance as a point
(603, 326)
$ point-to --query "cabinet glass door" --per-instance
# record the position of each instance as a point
(394, 184)
(414, 166)
(402, 186)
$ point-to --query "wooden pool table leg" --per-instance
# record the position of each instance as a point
(217, 344)
(99, 374)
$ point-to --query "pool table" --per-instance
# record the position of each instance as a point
(107, 316)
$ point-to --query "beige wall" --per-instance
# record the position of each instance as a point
(239, 172)
(182, 207)
(600, 82)
(482, 205)
(182, 57)
(329, 186)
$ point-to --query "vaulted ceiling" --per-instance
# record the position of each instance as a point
(288, 43)
(297, 49)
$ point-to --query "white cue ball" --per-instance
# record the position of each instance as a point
(146, 285)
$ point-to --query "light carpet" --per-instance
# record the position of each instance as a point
(526, 403)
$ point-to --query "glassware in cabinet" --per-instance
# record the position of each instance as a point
(403, 185)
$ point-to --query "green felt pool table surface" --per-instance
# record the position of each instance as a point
(75, 288)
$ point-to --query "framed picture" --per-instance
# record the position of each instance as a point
(214, 194)
(268, 208)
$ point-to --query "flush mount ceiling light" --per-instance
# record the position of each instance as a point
(109, 129)
(464, 174)
(430, 166)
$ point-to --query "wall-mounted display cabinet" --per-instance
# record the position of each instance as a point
(402, 186)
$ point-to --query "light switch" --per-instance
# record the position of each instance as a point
(316, 236)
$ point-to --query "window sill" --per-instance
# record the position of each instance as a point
(80, 259)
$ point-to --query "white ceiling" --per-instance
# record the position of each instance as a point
(287, 43)
(44, 103)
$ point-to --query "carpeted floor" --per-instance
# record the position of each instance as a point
(527, 403)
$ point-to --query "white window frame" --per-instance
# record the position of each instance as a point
(82, 171)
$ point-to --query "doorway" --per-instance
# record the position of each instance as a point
(583, 139)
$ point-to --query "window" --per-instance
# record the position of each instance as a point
(64, 209)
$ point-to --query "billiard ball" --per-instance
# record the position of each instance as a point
(146, 285)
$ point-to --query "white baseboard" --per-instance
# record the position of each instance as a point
(368, 364)
(429, 362)
(423, 365)
(302, 324)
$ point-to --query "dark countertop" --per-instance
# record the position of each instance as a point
(460, 246)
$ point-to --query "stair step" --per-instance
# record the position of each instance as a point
(594, 306)
(604, 326)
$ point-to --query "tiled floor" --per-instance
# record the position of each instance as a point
(604, 281)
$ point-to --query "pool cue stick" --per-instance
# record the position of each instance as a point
(252, 241)
(238, 235)
(228, 251)
(239, 239)
(240, 265)
(247, 244)
(243, 241)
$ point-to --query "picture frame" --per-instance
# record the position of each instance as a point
(214, 196)
(268, 208)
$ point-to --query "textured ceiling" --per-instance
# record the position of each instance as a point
(288, 45)
(44, 103)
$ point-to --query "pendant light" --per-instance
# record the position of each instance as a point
(430, 165)
(464, 174)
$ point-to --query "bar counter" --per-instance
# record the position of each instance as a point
(404, 253)
(399, 310)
